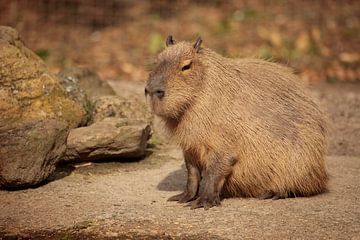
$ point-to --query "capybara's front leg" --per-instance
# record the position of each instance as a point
(214, 176)
(193, 181)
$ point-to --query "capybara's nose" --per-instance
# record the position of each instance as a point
(159, 93)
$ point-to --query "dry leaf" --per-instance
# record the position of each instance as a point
(349, 57)
(262, 32)
(326, 52)
(302, 42)
(127, 67)
(275, 39)
(316, 34)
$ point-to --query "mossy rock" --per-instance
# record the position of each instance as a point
(36, 115)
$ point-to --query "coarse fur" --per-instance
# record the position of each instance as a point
(247, 127)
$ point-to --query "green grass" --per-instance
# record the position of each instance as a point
(156, 43)
(43, 53)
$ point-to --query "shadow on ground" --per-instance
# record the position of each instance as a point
(175, 181)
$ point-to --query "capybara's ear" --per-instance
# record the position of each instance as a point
(170, 41)
(197, 44)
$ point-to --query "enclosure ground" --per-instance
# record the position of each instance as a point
(128, 200)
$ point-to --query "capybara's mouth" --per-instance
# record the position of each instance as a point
(153, 103)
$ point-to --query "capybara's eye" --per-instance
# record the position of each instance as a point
(186, 67)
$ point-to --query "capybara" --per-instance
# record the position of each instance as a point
(247, 127)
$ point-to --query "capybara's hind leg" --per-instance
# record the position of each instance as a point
(275, 195)
(278, 196)
(193, 181)
(266, 195)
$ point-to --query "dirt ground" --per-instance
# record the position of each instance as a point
(114, 200)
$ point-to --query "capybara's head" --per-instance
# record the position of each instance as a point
(176, 78)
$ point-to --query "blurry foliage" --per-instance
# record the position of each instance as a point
(320, 39)
(155, 140)
(224, 26)
(43, 53)
(264, 52)
(331, 79)
(244, 14)
(66, 237)
(156, 42)
(353, 32)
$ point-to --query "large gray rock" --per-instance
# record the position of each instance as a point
(75, 92)
(108, 138)
(84, 86)
(80, 81)
(35, 115)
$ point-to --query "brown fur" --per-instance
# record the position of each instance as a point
(247, 123)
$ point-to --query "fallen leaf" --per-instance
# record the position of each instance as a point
(326, 52)
(302, 43)
(263, 32)
(316, 34)
(349, 57)
(275, 39)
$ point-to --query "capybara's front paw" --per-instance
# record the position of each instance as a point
(176, 197)
(205, 201)
(182, 197)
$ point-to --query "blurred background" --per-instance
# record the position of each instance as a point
(117, 38)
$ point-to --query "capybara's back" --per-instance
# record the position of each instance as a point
(247, 127)
(279, 133)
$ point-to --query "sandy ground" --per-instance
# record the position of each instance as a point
(115, 200)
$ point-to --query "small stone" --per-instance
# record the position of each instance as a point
(109, 138)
